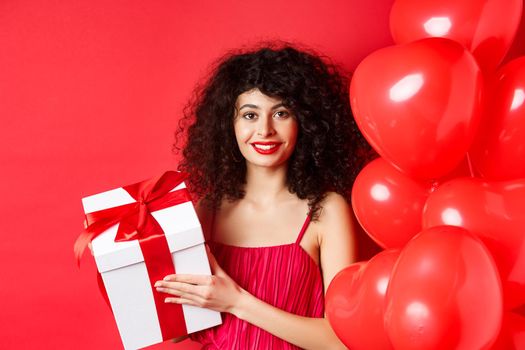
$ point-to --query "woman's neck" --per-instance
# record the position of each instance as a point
(265, 185)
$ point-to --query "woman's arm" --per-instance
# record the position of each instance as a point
(219, 292)
(337, 234)
(305, 332)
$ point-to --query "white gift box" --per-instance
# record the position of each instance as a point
(126, 279)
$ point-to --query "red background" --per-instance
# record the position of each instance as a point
(90, 93)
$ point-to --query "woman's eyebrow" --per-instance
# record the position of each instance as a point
(249, 105)
(257, 107)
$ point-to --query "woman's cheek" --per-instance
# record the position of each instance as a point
(242, 135)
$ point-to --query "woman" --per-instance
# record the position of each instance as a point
(272, 151)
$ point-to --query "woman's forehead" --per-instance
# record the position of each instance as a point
(256, 97)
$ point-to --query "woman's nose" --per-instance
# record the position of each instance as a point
(265, 127)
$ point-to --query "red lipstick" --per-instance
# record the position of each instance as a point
(266, 147)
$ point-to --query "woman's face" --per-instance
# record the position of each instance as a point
(265, 130)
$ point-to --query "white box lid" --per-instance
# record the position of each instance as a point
(179, 223)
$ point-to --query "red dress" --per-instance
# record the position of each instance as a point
(284, 276)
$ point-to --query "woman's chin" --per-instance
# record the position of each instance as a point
(266, 163)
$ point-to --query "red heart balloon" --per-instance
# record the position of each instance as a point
(495, 212)
(444, 293)
(355, 302)
(388, 204)
(485, 27)
(418, 104)
(498, 152)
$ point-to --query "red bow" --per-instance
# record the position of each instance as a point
(136, 221)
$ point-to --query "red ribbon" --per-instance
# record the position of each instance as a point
(136, 222)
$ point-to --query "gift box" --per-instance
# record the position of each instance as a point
(142, 233)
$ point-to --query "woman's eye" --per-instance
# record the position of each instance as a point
(281, 114)
(249, 116)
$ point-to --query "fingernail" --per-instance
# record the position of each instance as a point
(157, 284)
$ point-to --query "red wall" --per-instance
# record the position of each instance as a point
(90, 93)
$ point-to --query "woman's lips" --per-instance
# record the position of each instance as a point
(266, 147)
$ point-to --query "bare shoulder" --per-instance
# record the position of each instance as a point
(335, 223)
(335, 209)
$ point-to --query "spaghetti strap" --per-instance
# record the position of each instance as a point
(303, 229)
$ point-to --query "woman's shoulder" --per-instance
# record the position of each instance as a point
(335, 214)
(334, 205)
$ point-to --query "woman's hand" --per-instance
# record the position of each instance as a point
(217, 292)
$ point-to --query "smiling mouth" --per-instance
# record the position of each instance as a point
(266, 147)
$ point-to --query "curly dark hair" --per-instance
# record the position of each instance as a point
(329, 151)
